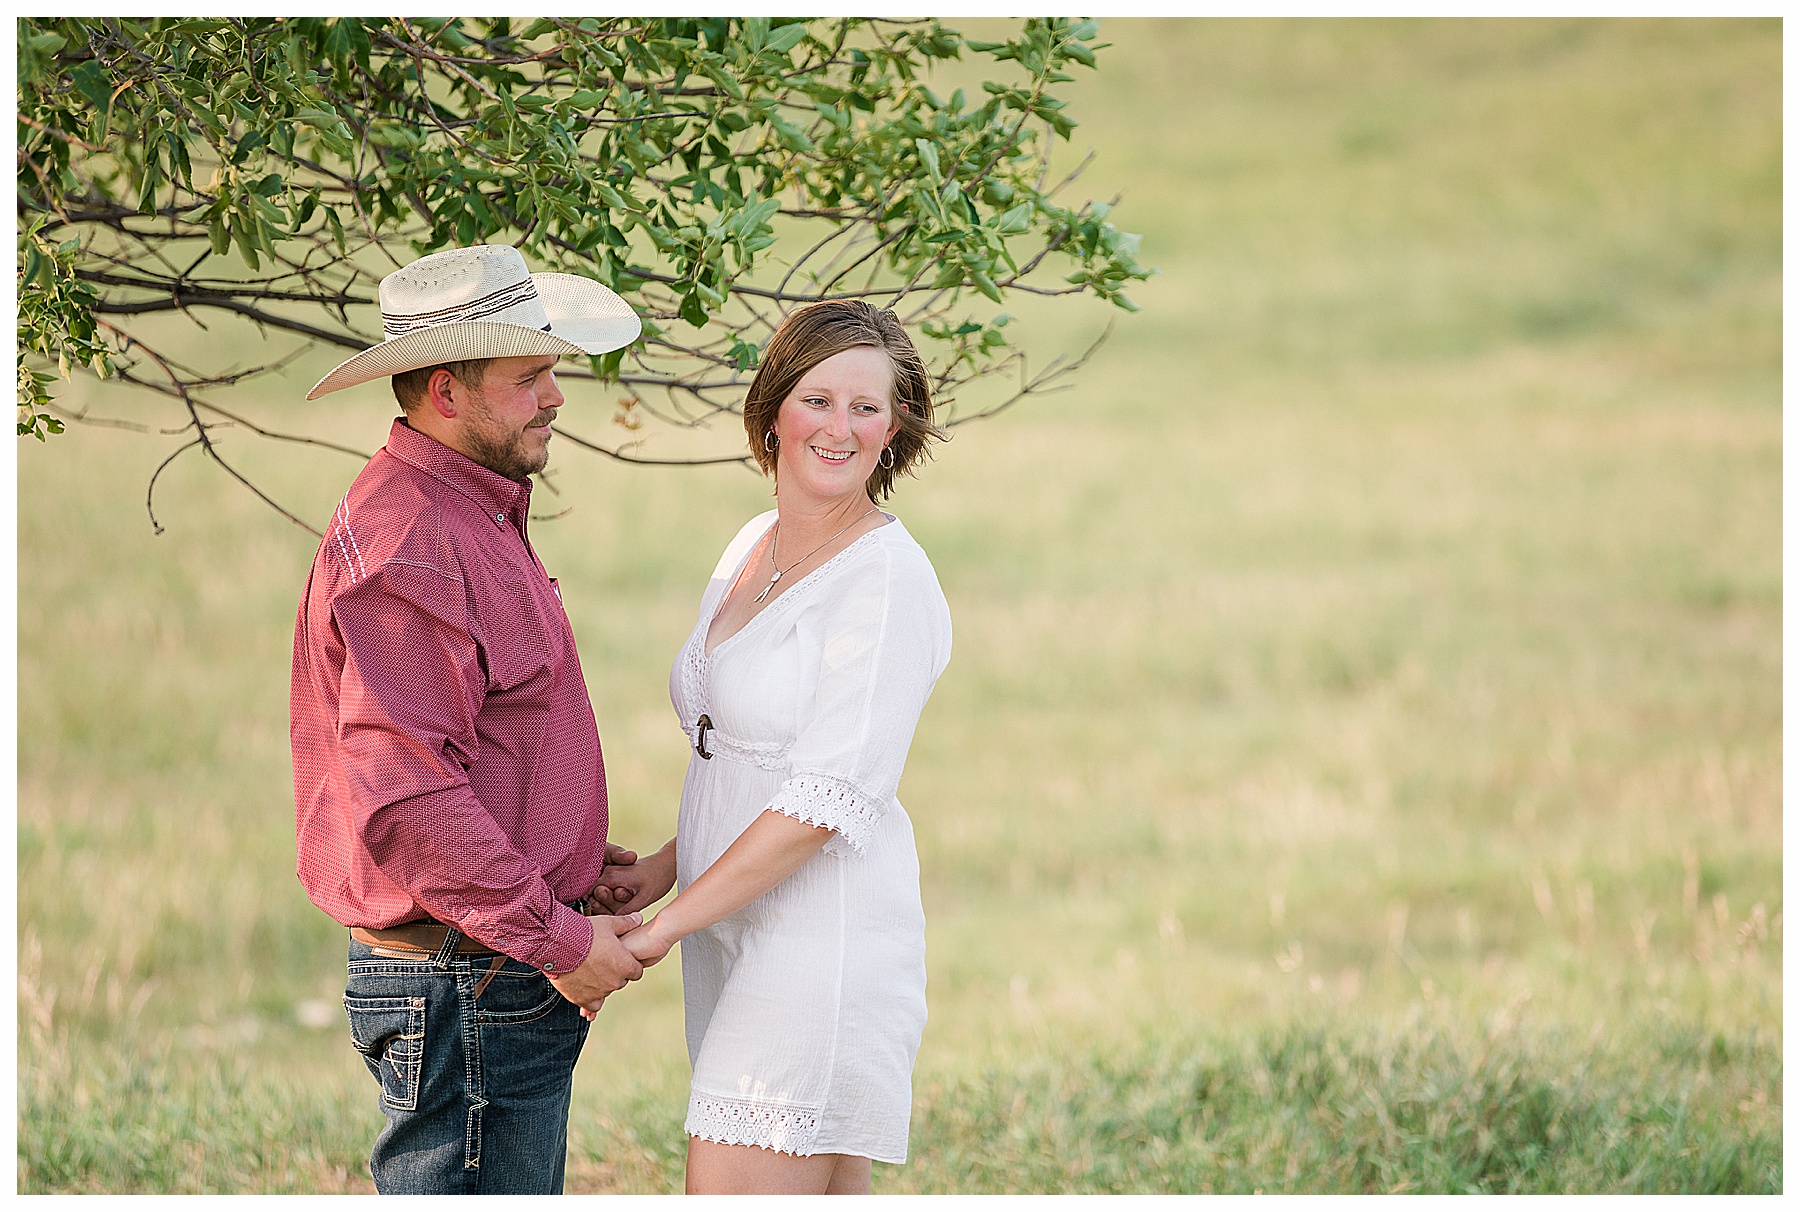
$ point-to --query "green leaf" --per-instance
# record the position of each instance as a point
(928, 156)
(245, 146)
(785, 38)
(147, 194)
(92, 82)
(246, 241)
(1016, 220)
(178, 157)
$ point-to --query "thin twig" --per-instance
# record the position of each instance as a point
(622, 457)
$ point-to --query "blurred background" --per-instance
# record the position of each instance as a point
(1360, 764)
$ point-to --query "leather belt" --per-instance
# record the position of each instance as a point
(428, 937)
(424, 937)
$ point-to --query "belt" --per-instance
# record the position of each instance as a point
(428, 937)
(710, 743)
(424, 937)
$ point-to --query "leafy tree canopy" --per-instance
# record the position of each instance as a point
(716, 172)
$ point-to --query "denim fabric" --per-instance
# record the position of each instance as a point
(475, 1088)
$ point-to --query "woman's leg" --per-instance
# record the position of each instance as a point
(715, 1169)
(850, 1176)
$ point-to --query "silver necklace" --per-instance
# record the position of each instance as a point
(775, 538)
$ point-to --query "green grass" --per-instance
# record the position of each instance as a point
(1360, 764)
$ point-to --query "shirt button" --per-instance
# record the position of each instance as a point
(550, 967)
(500, 518)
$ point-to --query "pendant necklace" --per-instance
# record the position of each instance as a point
(776, 538)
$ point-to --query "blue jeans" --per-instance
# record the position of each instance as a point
(475, 1063)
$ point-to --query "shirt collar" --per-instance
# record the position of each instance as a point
(493, 492)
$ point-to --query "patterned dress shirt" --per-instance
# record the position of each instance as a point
(446, 760)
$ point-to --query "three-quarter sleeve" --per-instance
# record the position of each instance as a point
(872, 647)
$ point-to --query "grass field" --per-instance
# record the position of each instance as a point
(1360, 765)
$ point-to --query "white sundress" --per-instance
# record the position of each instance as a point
(805, 1008)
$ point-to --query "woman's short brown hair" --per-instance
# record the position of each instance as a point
(822, 330)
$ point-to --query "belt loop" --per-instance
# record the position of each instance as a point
(488, 977)
(452, 940)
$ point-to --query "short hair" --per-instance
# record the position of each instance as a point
(410, 385)
(819, 331)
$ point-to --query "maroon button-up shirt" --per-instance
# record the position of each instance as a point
(446, 759)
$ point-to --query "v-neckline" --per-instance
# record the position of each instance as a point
(737, 574)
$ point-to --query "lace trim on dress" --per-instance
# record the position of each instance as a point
(692, 677)
(769, 755)
(833, 803)
(732, 1121)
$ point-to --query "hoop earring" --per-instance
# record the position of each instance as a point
(770, 441)
(887, 457)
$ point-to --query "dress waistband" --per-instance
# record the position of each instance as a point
(709, 743)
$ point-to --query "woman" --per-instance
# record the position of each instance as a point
(819, 639)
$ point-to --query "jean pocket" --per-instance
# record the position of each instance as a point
(390, 1034)
(517, 998)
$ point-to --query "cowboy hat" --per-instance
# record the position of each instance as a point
(480, 302)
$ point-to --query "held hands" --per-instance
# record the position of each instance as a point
(630, 885)
(608, 967)
(649, 943)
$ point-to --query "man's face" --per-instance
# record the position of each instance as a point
(505, 421)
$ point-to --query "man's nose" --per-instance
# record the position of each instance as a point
(552, 396)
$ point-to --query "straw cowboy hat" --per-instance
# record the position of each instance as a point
(481, 302)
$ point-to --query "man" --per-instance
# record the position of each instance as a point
(450, 800)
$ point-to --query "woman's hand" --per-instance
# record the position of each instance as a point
(647, 943)
(629, 884)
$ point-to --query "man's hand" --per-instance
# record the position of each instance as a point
(601, 898)
(607, 968)
(631, 885)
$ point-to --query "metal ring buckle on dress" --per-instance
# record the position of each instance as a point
(702, 726)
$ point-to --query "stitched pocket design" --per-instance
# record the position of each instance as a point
(390, 1034)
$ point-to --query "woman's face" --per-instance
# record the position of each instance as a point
(833, 425)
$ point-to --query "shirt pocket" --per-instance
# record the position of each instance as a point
(526, 638)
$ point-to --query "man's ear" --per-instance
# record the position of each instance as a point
(443, 393)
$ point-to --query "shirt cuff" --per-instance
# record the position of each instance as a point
(571, 937)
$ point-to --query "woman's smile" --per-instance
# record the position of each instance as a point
(841, 413)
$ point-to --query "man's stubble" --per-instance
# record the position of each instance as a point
(505, 453)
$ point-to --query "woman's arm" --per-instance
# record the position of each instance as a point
(771, 849)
